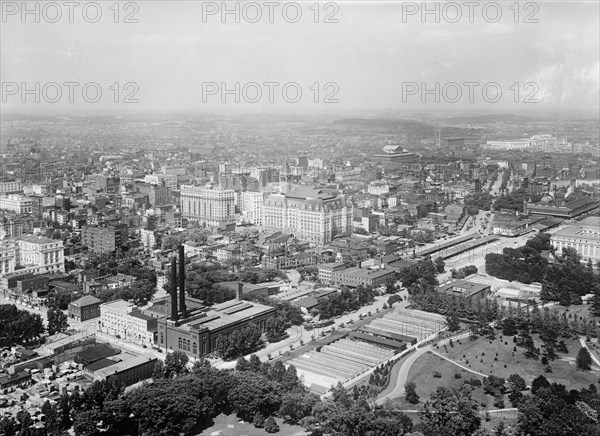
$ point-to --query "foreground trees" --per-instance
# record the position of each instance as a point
(18, 327)
(57, 321)
(239, 342)
(450, 412)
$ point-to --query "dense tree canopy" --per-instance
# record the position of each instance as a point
(18, 327)
(450, 412)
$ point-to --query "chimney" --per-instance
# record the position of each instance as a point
(174, 289)
(238, 294)
(182, 307)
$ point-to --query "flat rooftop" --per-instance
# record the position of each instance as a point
(227, 313)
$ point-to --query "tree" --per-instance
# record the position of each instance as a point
(271, 425)
(556, 411)
(259, 420)
(275, 328)
(453, 322)
(175, 364)
(140, 292)
(516, 382)
(170, 406)
(295, 406)
(584, 359)
(538, 383)
(57, 321)
(410, 389)
(159, 370)
(450, 412)
(493, 385)
(252, 393)
(86, 423)
(440, 265)
(239, 342)
(18, 327)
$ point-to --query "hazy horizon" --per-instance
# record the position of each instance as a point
(362, 61)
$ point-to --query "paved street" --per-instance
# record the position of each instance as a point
(298, 333)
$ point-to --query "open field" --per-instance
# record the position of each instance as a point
(422, 372)
(229, 425)
(564, 370)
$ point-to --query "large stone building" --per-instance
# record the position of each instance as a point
(211, 206)
(198, 330)
(31, 254)
(16, 203)
(583, 236)
(313, 215)
(394, 154)
(85, 308)
(543, 142)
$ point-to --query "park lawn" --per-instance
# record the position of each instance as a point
(581, 310)
(422, 371)
(564, 370)
(229, 425)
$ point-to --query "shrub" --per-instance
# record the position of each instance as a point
(271, 425)
(259, 420)
(457, 375)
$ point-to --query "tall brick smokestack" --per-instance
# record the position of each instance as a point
(238, 292)
(174, 288)
(182, 307)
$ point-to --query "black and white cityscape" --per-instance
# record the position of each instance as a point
(347, 218)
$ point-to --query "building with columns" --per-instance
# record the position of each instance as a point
(32, 254)
(583, 236)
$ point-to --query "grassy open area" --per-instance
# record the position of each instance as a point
(229, 425)
(480, 355)
(422, 372)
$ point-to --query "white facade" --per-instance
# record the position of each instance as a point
(10, 187)
(378, 189)
(16, 203)
(210, 206)
(122, 318)
(31, 254)
(147, 238)
(583, 236)
(251, 205)
(311, 215)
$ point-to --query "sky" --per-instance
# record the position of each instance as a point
(371, 55)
